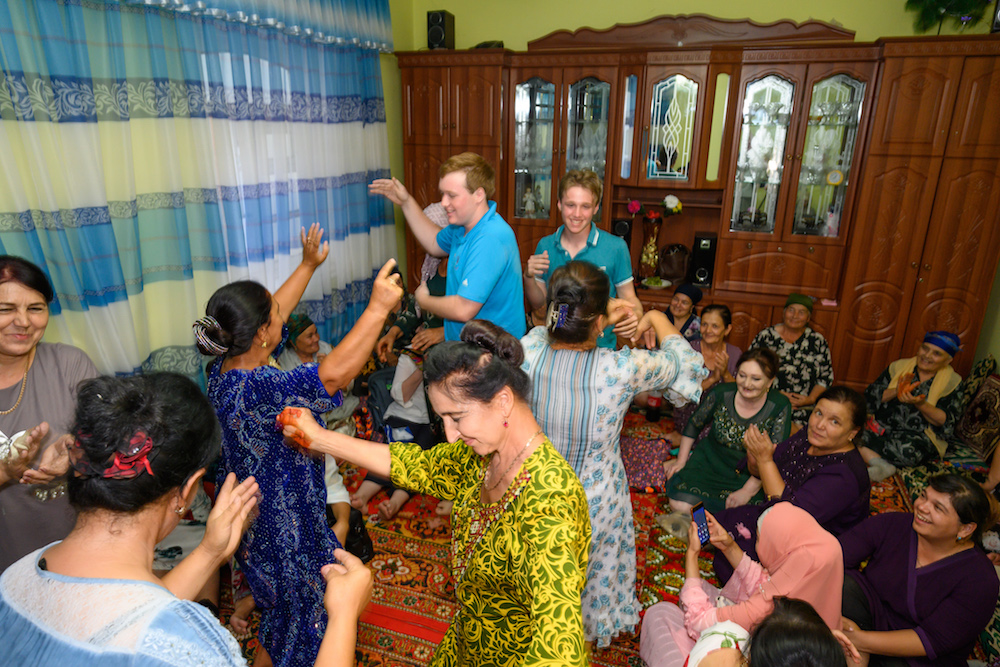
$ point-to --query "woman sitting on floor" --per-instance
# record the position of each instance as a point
(806, 367)
(521, 528)
(914, 407)
(818, 469)
(710, 474)
(580, 395)
(928, 589)
(142, 445)
(797, 559)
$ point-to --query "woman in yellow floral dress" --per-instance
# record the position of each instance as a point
(520, 520)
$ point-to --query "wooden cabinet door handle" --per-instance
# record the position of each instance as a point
(811, 250)
(927, 267)
(749, 246)
(779, 249)
(914, 265)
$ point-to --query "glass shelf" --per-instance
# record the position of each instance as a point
(534, 133)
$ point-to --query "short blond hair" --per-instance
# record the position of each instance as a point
(583, 179)
(478, 172)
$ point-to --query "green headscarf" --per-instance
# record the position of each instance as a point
(296, 325)
(800, 299)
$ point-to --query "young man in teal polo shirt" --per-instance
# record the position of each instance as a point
(484, 265)
(578, 238)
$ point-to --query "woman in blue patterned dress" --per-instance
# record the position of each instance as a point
(580, 394)
(282, 552)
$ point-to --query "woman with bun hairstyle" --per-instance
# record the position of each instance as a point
(283, 551)
(581, 393)
(141, 445)
(521, 530)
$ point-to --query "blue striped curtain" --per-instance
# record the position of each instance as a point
(155, 151)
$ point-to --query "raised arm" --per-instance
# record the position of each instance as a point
(347, 359)
(314, 252)
(423, 228)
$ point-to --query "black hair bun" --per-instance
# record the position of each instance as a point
(494, 340)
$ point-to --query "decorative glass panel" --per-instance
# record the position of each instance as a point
(671, 130)
(828, 155)
(628, 124)
(587, 108)
(767, 108)
(534, 120)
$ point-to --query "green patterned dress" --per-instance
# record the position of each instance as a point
(711, 473)
(519, 564)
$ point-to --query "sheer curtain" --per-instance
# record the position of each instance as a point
(153, 151)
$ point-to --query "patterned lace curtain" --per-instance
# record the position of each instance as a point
(154, 151)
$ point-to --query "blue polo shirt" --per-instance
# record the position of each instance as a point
(484, 266)
(607, 251)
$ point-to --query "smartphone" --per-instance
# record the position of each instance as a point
(700, 520)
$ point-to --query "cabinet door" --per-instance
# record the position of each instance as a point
(628, 146)
(975, 129)
(672, 122)
(748, 320)
(590, 99)
(960, 256)
(475, 107)
(425, 105)
(828, 136)
(893, 213)
(535, 107)
(770, 98)
(778, 267)
(915, 102)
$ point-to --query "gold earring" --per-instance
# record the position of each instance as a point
(180, 510)
(264, 344)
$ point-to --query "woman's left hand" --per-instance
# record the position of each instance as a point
(314, 248)
(230, 517)
(694, 542)
(17, 466)
(738, 498)
(850, 650)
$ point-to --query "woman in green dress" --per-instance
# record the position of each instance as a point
(520, 523)
(713, 473)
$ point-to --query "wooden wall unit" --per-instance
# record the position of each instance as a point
(916, 240)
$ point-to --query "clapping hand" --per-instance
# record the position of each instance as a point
(54, 462)
(758, 444)
(231, 516)
(17, 465)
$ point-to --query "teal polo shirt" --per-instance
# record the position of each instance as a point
(605, 250)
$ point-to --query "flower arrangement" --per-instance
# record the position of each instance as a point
(672, 205)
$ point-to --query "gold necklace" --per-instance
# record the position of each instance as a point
(24, 382)
(516, 458)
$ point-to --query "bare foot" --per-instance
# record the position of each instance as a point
(387, 509)
(358, 503)
(444, 507)
(240, 620)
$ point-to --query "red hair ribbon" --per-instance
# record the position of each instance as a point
(124, 465)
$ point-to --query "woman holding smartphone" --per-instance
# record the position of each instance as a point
(797, 559)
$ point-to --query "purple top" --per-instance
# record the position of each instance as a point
(833, 488)
(947, 603)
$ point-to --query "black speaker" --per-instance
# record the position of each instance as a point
(995, 23)
(622, 228)
(702, 266)
(440, 30)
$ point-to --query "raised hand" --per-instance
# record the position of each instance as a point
(230, 516)
(314, 249)
(391, 189)
(387, 289)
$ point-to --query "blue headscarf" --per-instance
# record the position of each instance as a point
(946, 340)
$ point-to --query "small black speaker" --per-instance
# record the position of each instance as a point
(995, 24)
(440, 30)
(622, 228)
(702, 266)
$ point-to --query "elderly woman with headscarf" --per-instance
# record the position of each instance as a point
(913, 406)
(304, 345)
(681, 311)
(806, 366)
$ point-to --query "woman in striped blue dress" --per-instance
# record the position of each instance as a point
(580, 394)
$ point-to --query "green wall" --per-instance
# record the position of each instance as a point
(516, 22)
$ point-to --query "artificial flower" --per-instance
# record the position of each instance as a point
(672, 204)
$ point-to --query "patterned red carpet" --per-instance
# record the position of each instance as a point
(413, 599)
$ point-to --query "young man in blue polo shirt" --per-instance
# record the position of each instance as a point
(579, 238)
(484, 265)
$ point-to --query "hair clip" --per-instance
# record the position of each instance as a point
(561, 317)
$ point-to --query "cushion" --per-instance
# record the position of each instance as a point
(979, 426)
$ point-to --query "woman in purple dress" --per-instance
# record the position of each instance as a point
(283, 550)
(818, 469)
(928, 589)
